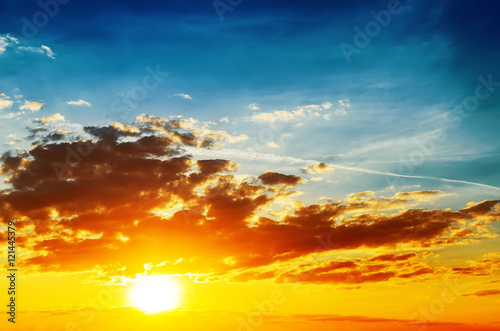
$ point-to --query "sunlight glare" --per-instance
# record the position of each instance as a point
(154, 294)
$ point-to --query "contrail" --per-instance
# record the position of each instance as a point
(233, 153)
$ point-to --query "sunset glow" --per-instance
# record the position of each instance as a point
(250, 165)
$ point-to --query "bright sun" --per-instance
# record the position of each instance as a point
(154, 294)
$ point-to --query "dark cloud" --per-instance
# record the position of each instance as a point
(273, 178)
(130, 195)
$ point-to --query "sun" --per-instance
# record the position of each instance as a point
(154, 294)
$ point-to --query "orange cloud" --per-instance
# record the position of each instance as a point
(129, 194)
(489, 264)
(484, 293)
(375, 269)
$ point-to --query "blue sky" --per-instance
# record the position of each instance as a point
(371, 113)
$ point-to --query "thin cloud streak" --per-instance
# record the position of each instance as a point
(292, 160)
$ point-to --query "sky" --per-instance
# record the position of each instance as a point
(251, 165)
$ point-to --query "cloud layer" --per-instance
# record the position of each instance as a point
(124, 195)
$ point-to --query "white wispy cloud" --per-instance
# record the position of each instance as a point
(49, 52)
(5, 102)
(11, 115)
(254, 106)
(7, 41)
(79, 103)
(45, 50)
(342, 107)
(285, 115)
(15, 140)
(327, 105)
(302, 112)
(184, 96)
(32, 105)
